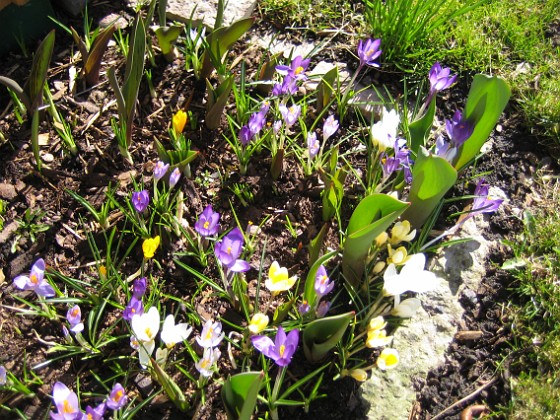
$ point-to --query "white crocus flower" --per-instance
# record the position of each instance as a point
(172, 333)
(145, 328)
(205, 365)
(384, 131)
(412, 278)
(407, 308)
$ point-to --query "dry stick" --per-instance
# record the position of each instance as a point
(465, 399)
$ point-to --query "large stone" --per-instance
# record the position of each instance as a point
(205, 11)
(423, 340)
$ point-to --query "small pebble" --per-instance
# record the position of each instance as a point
(47, 158)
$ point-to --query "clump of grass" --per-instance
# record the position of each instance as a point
(535, 398)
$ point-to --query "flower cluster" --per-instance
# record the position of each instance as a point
(68, 405)
(209, 339)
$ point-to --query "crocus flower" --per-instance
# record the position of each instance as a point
(358, 374)
(313, 144)
(290, 115)
(134, 307)
(323, 308)
(208, 222)
(323, 285)
(401, 233)
(397, 256)
(259, 322)
(140, 200)
(211, 335)
(150, 246)
(160, 169)
(174, 177)
(256, 122)
(196, 38)
(96, 413)
(66, 403)
(440, 78)
(388, 359)
(384, 132)
(139, 287)
(304, 307)
(407, 308)
(172, 333)
(117, 398)
(276, 126)
(376, 324)
(3, 374)
(329, 127)
(482, 203)
(412, 277)
(229, 249)
(205, 364)
(458, 129)
(278, 280)
(145, 328)
(288, 86)
(36, 280)
(296, 69)
(245, 135)
(389, 164)
(179, 121)
(368, 52)
(282, 349)
(74, 317)
(378, 338)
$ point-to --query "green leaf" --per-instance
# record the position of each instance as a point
(217, 104)
(420, 129)
(134, 69)
(373, 215)
(17, 89)
(239, 394)
(316, 244)
(322, 335)
(487, 99)
(325, 88)
(267, 72)
(170, 387)
(432, 177)
(220, 41)
(39, 70)
(93, 59)
(166, 36)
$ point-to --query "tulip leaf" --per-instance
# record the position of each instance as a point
(166, 36)
(373, 215)
(487, 99)
(432, 177)
(239, 394)
(217, 100)
(92, 60)
(325, 88)
(134, 69)
(170, 387)
(420, 129)
(322, 335)
(39, 70)
(309, 294)
(316, 244)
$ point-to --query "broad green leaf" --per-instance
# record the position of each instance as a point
(487, 99)
(432, 177)
(216, 107)
(316, 244)
(325, 89)
(170, 387)
(419, 129)
(92, 61)
(134, 68)
(239, 394)
(309, 293)
(39, 70)
(166, 36)
(322, 335)
(373, 215)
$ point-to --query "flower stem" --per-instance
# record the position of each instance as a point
(275, 392)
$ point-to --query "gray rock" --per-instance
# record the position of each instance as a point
(206, 10)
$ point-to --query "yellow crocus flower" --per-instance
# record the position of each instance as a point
(179, 121)
(149, 246)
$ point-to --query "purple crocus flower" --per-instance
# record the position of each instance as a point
(229, 249)
(323, 285)
(74, 317)
(66, 403)
(458, 129)
(160, 169)
(117, 399)
(440, 78)
(290, 115)
(3, 373)
(288, 86)
(323, 308)
(36, 280)
(208, 222)
(303, 307)
(134, 307)
(389, 164)
(174, 177)
(296, 69)
(256, 122)
(245, 135)
(139, 287)
(483, 204)
(140, 200)
(313, 144)
(282, 349)
(368, 52)
(329, 127)
(96, 413)
(401, 161)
